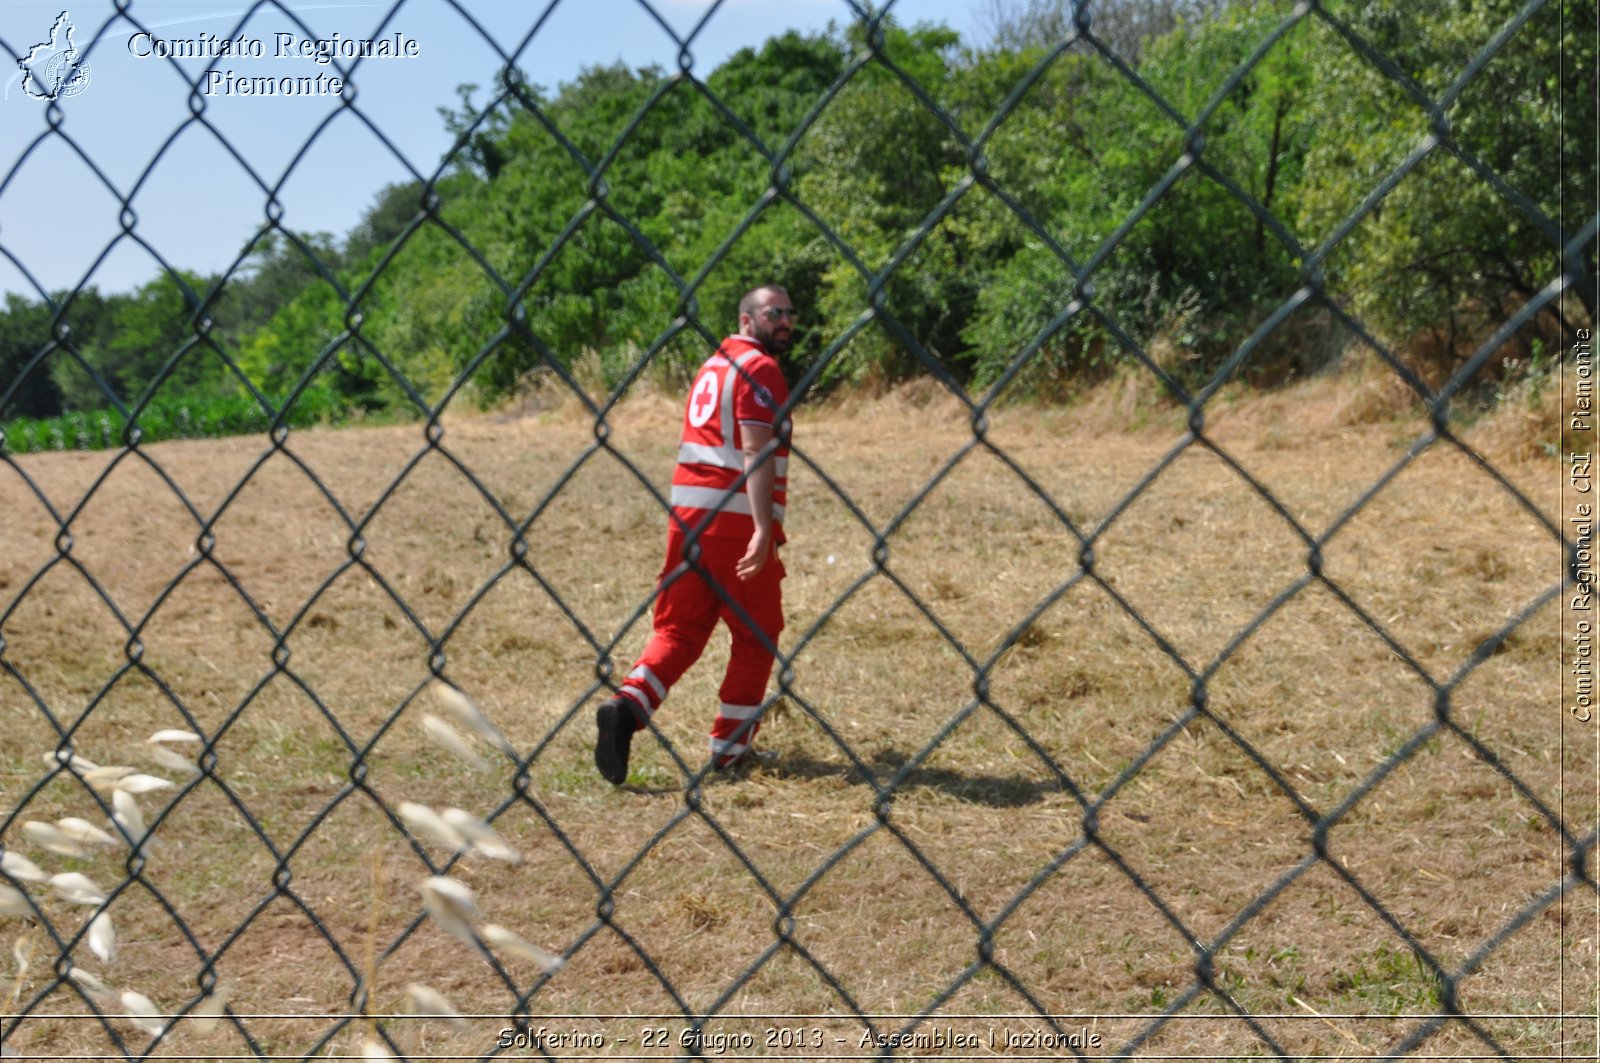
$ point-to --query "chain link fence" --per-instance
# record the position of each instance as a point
(58, 1006)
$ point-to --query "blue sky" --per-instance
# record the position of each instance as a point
(197, 208)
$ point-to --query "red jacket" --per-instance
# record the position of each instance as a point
(740, 384)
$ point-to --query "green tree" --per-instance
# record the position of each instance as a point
(24, 332)
(277, 270)
(1448, 256)
(1126, 25)
(876, 166)
(138, 342)
(1200, 266)
(390, 214)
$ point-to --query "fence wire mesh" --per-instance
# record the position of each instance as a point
(58, 1005)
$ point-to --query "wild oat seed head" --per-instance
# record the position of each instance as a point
(468, 715)
(172, 735)
(208, 1013)
(75, 887)
(484, 838)
(454, 741)
(50, 837)
(14, 902)
(144, 784)
(429, 1003)
(21, 868)
(103, 779)
(81, 765)
(427, 823)
(103, 937)
(172, 760)
(451, 905)
(143, 1011)
(91, 985)
(513, 944)
(126, 814)
(81, 830)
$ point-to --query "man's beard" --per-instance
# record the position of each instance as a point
(776, 345)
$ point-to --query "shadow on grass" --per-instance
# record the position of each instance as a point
(998, 791)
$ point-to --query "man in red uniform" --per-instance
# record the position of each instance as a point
(729, 425)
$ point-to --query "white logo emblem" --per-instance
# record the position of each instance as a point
(51, 69)
(703, 400)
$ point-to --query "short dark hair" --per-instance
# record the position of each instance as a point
(747, 305)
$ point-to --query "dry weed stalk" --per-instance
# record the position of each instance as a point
(22, 955)
(369, 977)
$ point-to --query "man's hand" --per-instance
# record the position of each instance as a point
(755, 555)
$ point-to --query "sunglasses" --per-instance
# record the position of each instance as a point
(774, 313)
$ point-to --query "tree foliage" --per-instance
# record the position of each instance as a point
(615, 221)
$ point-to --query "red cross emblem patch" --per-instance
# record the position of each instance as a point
(703, 400)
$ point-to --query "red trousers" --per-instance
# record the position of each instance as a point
(686, 612)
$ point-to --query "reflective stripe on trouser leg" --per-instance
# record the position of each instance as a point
(685, 615)
(733, 731)
(744, 685)
(644, 690)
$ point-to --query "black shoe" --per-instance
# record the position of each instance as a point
(613, 722)
(751, 756)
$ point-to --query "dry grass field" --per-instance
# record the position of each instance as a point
(911, 828)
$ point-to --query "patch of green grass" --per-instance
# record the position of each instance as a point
(1392, 980)
(173, 417)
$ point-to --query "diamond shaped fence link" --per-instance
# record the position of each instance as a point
(64, 945)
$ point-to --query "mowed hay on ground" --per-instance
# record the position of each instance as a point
(946, 719)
